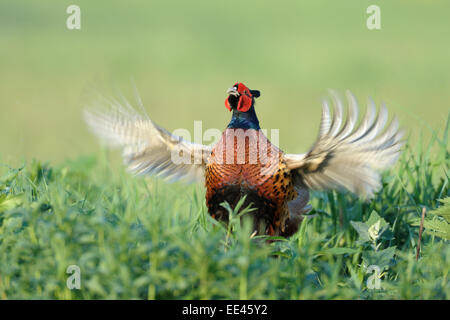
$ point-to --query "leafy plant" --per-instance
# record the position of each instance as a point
(143, 239)
(440, 224)
(374, 233)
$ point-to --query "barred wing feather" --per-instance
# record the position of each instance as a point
(147, 148)
(347, 156)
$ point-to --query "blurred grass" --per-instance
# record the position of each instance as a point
(184, 55)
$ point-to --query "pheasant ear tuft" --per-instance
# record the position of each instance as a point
(255, 93)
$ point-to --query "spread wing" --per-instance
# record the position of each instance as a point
(346, 155)
(147, 148)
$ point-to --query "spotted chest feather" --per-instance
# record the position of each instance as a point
(244, 162)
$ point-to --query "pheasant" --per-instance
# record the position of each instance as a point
(245, 163)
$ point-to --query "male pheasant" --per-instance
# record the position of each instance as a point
(244, 162)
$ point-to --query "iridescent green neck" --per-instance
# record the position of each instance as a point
(244, 120)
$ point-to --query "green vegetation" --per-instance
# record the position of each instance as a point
(440, 225)
(136, 238)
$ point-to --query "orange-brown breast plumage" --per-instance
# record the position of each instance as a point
(244, 162)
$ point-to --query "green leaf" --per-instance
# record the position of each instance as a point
(8, 202)
(362, 229)
(373, 229)
(439, 224)
(381, 258)
(340, 250)
(444, 210)
(439, 228)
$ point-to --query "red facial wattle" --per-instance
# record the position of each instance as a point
(245, 98)
(245, 101)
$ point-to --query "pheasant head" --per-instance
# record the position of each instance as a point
(240, 97)
(241, 101)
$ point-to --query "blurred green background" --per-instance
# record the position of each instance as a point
(183, 55)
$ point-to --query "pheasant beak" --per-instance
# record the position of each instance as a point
(233, 91)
